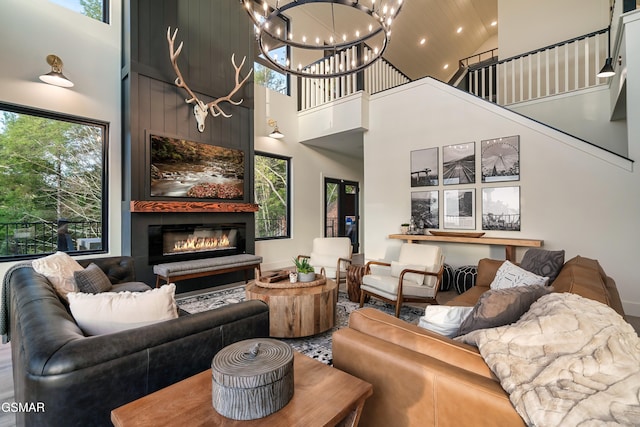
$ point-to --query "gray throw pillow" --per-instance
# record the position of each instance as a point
(499, 307)
(543, 262)
(92, 280)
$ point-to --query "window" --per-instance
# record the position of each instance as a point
(263, 71)
(271, 192)
(96, 9)
(52, 175)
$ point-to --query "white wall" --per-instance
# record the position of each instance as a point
(526, 25)
(573, 196)
(90, 50)
(585, 114)
(310, 165)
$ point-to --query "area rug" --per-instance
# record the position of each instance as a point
(317, 346)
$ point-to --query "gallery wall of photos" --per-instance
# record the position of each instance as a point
(453, 170)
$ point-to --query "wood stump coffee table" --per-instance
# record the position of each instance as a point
(299, 311)
(323, 396)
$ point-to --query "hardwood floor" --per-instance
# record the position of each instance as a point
(6, 375)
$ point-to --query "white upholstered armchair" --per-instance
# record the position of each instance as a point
(330, 256)
(415, 277)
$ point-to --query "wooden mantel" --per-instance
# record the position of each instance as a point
(144, 206)
(509, 244)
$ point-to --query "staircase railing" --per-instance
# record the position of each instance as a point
(381, 75)
(552, 70)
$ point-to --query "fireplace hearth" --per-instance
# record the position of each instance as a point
(181, 242)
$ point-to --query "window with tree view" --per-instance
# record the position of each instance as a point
(264, 73)
(52, 175)
(271, 191)
(96, 9)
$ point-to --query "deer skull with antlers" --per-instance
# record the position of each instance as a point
(200, 109)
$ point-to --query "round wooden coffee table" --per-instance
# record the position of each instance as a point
(298, 312)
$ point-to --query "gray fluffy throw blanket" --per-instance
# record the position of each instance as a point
(568, 361)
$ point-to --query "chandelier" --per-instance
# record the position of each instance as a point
(352, 35)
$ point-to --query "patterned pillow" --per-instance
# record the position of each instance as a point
(92, 280)
(543, 262)
(58, 268)
(510, 275)
(502, 307)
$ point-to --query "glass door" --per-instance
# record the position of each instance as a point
(341, 213)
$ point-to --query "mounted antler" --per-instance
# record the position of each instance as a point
(200, 109)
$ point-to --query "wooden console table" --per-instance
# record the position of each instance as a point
(510, 245)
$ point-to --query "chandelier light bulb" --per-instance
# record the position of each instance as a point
(357, 33)
(317, 40)
(370, 27)
(304, 39)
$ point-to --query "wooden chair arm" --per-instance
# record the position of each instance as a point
(367, 268)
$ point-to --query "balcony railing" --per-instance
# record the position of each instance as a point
(552, 70)
(379, 76)
(18, 239)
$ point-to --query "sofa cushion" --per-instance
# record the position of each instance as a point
(510, 275)
(502, 307)
(444, 319)
(92, 280)
(397, 268)
(543, 262)
(59, 268)
(109, 312)
(487, 269)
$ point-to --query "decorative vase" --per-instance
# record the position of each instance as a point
(404, 229)
(306, 277)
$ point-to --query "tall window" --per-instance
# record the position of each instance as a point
(271, 191)
(264, 74)
(52, 175)
(96, 9)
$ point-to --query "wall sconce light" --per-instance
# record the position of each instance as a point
(55, 76)
(276, 132)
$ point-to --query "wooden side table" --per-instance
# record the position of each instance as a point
(354, 281)
(323, 396)
(298, 312)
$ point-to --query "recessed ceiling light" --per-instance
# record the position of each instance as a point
(423, 41)
(445, 66)
(459, 30)
(494, 23)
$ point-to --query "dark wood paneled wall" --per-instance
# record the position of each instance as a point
(211, 30)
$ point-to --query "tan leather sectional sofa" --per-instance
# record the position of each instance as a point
(421, 378)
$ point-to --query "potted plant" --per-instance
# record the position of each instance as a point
(306, 273)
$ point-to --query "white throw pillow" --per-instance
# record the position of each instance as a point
(109, 312)
(510, 275)
(418, 279)
(444, 319)
(58, 268)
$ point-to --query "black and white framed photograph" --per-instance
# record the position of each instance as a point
(424, 167)
(501, 208)
(459, 163)
(460, 209)
(424, 209)
(501, 159)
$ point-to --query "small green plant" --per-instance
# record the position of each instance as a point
(303, 266)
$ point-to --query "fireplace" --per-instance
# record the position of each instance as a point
(181, 242)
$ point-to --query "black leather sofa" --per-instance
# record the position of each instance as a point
(75, 380)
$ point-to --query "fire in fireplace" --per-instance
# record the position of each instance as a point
(179, 242)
